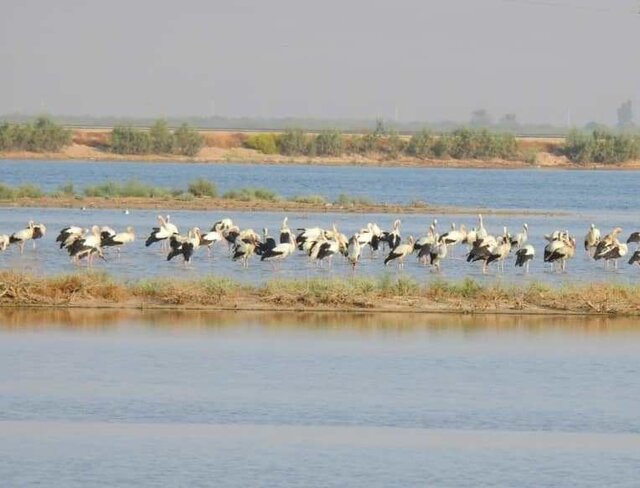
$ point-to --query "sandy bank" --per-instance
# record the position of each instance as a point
(218, 204)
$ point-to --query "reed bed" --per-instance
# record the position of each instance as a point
(388, 293)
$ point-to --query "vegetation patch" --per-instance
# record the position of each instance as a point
(184, 141)
(386, 292)
(250, 194)
(43, 135)
(601, 146)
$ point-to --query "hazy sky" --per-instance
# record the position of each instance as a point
(427, 59)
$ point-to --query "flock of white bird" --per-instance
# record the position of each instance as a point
(322, 244)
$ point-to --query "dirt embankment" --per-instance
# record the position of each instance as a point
(91, 290)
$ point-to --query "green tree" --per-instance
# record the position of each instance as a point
(420, 144)
(162, 140)
(293, 142)
(188, 141)
(127, 140)
(329, 143)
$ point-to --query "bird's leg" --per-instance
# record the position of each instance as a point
(22, 247)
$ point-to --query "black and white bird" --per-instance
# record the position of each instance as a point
(520, 238)
(591, 240)
(209, 239)
(437, 253)
(524, 256)
(106, 233)
(306, 236)
(118, 239)
(161, 233)
(67, 232)
(490, 250)
(400, 252)
(266, 244)
(634, 237)
(635, 257)
(244, 248)
(424, 244)
(454, 236)
(22, 236)
(611, 249)
(609, 246)
(392, 238)
(353, 250)
(184, 246)
(280, 252)
(560, 250)
(87, 246)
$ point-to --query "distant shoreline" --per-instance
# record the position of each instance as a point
(224, 147)
(92, 144)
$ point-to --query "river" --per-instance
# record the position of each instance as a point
(101, 398)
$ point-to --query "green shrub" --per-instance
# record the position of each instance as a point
(162, 140)
(67, 189)
(131, 188)
(202, 188)
(346, 200)
(42, 135)
(265, 143)
(249, 194)
(188, 141)
(309, 199)
(127, 140)
(420, 145)
(329, 143)
(601, 147)
(293, 142)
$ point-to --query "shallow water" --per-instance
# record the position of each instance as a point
(576, 198)
(97, 398)
(579, 191)
(138, 262)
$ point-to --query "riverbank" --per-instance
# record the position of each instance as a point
(385, 294)
(213, 155)
(225, 147)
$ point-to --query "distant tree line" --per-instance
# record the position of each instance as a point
(40, 136)
(459, 144)
(159, 139)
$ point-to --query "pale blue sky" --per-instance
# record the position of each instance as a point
(430, 59)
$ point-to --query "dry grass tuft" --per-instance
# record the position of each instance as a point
(224, 140)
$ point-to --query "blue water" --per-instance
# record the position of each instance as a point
(575, 199)
(491, 188)
(207, 399)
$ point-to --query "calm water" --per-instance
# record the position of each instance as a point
(575, 199)
(579, 191)
(205, 399)
(138, 262)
